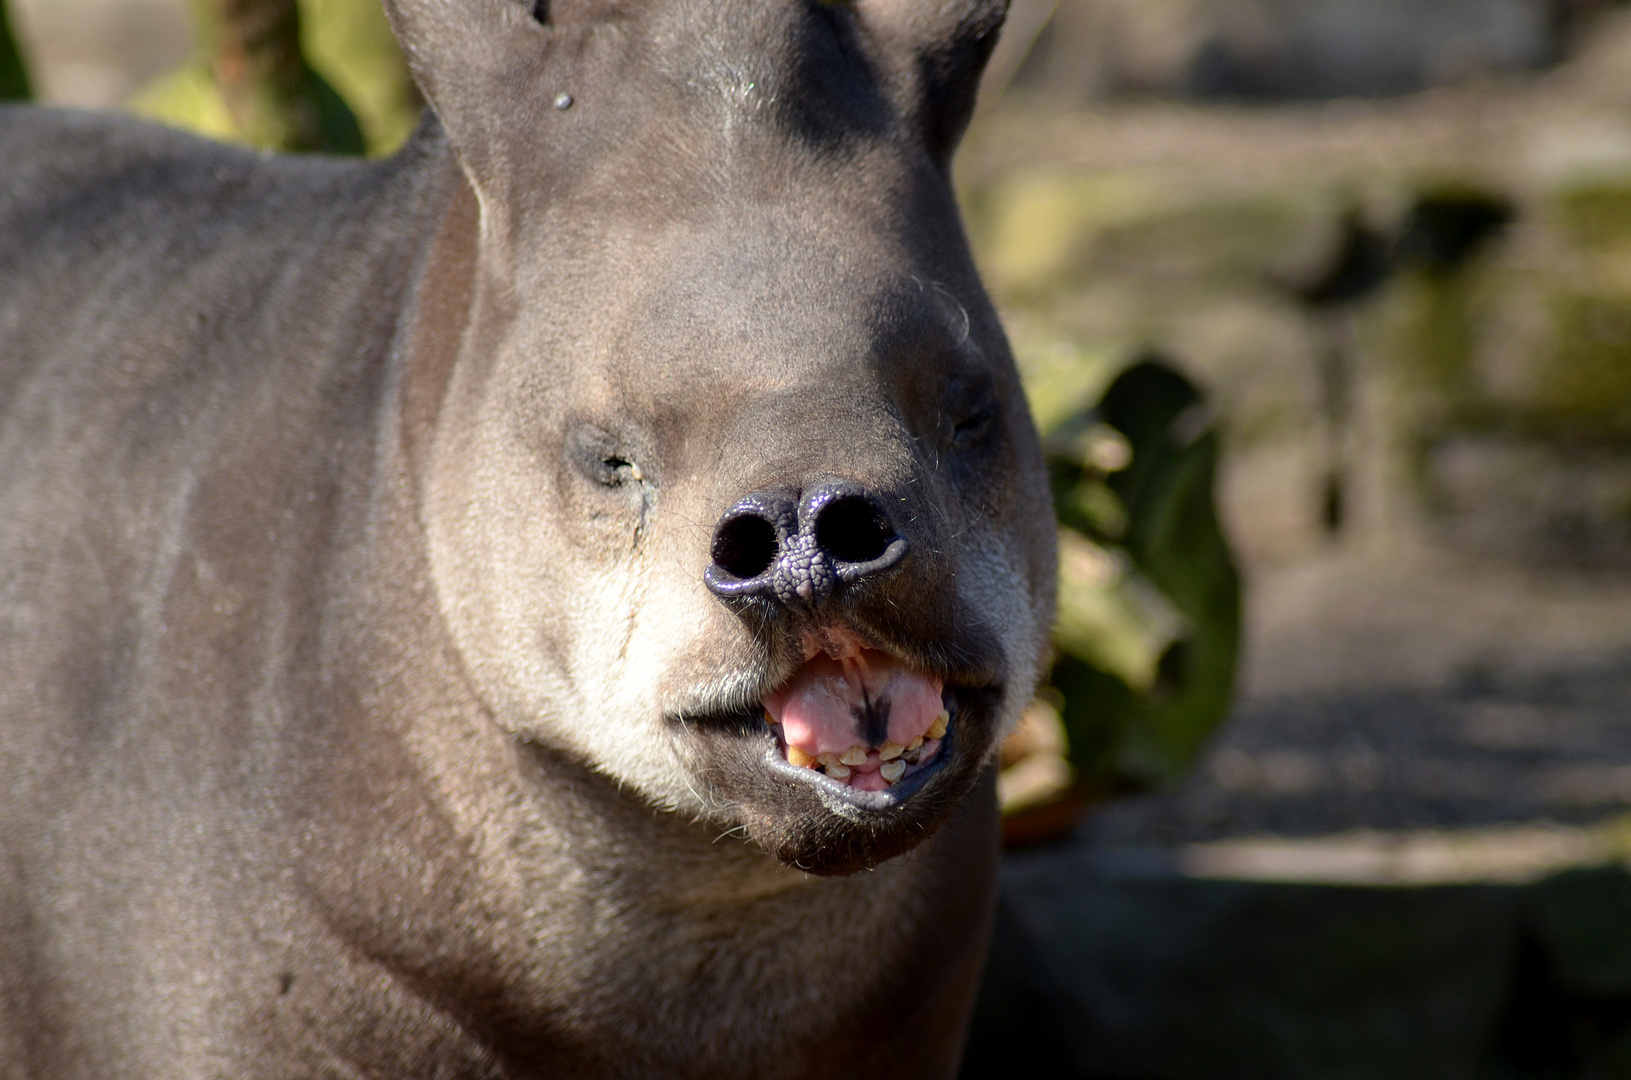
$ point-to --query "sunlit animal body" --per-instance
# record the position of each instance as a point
(542, 605)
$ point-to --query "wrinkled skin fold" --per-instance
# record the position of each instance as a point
(388, 683)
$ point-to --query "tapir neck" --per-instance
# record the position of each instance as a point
(456, 865)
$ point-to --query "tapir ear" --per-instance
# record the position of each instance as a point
(940, 48)
(478, 62)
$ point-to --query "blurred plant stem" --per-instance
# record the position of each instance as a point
(249, 81)
(274, 97)
(13, 75)
(291, 75)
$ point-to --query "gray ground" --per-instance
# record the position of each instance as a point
(1412, 693)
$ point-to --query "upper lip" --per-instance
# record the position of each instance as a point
(732, 697)
(728, 696)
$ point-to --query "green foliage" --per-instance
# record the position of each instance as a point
(1596, 214)
(1588, 383)
(1149, 626)
(13, 74)
(317, 75)
(311, 117)
(351, 44)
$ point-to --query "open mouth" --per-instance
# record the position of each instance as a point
(869, 768)
(856, 722)
(843, 796)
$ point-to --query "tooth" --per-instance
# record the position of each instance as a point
(893, 771)
(915, 744)
(838, 772)
(891, 751)
(827, 760)
(938, 730)
(799, 757)
(855, 755)
(911, 756)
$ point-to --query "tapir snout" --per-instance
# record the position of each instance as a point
(796, 548)
(857, 574)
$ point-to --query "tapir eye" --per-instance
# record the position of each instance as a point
(972, 429)
(615, 471)
(971, 405)
(601, 459)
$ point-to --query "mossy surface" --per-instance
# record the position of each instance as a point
(14, 81)
(317, 75)
(1585, 390)
(1596, 214)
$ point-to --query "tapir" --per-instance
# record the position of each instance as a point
(540, 605)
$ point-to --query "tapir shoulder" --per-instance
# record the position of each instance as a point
(91, 193)
(118, 232)
(82, 169)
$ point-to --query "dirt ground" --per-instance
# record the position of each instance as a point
(1418, 693)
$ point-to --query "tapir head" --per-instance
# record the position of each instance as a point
(731, 492)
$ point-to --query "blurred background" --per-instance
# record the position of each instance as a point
(1324, 309)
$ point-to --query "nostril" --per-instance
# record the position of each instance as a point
(745, 546)
(852, 530)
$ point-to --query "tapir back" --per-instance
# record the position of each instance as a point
(117, 238)
(190, 342)
(186, 331)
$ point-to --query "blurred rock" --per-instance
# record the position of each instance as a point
(1161, 977)
(96, 53)
(1078, 49)
(1468, 382)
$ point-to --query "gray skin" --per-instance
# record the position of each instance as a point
(364, 711)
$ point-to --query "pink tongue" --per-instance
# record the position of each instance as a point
(821, 711)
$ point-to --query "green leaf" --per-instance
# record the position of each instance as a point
(1149, 629)
(350, 44)
(1112, 616)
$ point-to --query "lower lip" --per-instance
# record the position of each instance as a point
(848, 801)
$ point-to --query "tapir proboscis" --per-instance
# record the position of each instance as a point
(541, 605)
